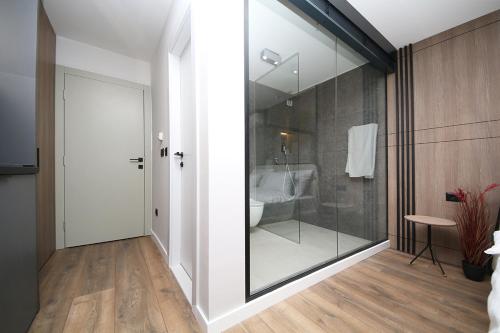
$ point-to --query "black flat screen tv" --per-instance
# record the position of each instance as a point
(18, 45)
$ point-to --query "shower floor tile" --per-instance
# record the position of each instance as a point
(275, 258)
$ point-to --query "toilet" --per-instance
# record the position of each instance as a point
(256, 210)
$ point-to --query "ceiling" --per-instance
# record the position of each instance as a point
(409, 21)
(128, 27)
(311, 55)
(133, 28)
(314, 54)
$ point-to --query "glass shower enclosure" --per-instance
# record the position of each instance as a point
(316, 147)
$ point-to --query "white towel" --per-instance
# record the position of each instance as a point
(361, 150)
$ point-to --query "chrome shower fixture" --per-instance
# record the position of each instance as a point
(270, 57)
(284, 141)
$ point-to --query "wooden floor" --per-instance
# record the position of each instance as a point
(381, 294)
(122, 286)
(125, 286)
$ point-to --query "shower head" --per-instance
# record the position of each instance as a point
(270, 57)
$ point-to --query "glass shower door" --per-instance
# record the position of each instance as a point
(307, 206)
(276, 149)
(360, 113)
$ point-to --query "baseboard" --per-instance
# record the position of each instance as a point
(253, 307)
(200, 317)
(163, 251)
(184, 281)
(180, 274)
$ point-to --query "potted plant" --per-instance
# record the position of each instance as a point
(474, 230)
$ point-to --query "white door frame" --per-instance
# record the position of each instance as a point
(61, 71)
(181, 39)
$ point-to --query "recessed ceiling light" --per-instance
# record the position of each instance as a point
(295, 72)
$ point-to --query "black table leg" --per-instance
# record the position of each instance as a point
(429, 246)
(419, 254)
(429, 243)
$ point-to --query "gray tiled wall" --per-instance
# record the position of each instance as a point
(317, 124)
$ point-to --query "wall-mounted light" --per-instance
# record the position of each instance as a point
(270, 57)
(284, 142)
(161, 136)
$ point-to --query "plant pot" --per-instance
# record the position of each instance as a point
(473, 272)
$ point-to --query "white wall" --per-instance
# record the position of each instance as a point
(74, 54)
(218, 28)
(160, 89)
(220, 273)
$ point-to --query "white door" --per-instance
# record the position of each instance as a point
(188, 161)
(104, 186)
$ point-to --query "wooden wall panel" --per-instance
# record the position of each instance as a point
(457, 125)
(391, 103)
(45, 138)
(391, 191)
(472, 131)
(391, 158)
(444, 166)
(457, 81)
(459, 30)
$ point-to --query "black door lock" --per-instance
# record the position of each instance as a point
(182, 164)
(180, 154)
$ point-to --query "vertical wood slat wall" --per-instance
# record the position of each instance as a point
(443, 130)
(405, 150)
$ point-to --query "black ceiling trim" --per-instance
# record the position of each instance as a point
(337, 23)
(355, 17)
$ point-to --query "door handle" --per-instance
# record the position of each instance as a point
(139, 159)
(180, 154)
